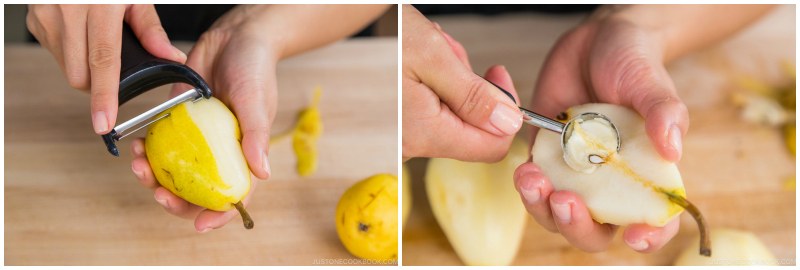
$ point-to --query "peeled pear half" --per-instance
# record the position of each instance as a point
(195, 152)
(634, 185)
(731, 247)
(477, 207)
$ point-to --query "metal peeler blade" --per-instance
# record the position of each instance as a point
(145, 119)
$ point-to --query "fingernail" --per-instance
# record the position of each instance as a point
(265, 164)
(529, 191)
(640, 245)
(162, 202)
(100, 122)
(205, 230)
(531, 195)
(675, 139)
(137, 172)
(178, 53)
(506, 119)
(563, 212)
(137, 149)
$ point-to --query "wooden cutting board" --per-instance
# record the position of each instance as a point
(68, 202)
(733, 170)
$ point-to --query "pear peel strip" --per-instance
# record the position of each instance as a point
(248, 222)
(286, 134)
(705, 241)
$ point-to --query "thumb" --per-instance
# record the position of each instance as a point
(666, 117)
(472, 98)
(465, 142)
(251, 105)
(666, 121)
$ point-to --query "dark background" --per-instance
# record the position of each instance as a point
(183, 22)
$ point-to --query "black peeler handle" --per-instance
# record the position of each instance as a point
(141, 71)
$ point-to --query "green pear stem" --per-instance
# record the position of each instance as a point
(705, 241)
(248, 222)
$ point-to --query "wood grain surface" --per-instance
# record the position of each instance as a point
(733, 170)
(68, 202)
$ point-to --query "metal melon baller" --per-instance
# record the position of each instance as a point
(565, 130)
(141, 72)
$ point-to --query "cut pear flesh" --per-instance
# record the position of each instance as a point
(478, 210)
(634, 185)
(195, 153)
(589, 143)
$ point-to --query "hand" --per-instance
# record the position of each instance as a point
(86, 40)
(237, 62)
(449, 111)
(237, 56)
(606, 60)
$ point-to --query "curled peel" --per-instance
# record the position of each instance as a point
(304, 135)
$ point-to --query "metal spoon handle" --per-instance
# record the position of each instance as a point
(541, 121)
(533, 118)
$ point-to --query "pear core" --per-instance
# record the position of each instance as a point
(589, 144)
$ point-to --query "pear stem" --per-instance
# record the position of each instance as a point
(248, 222)
(705, 241)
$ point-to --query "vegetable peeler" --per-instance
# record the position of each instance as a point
(140, 72)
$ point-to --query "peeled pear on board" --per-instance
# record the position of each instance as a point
(477, 206)
(731, 247)
(195, 152)
(634, 185)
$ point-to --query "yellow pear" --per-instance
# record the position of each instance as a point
(477, 206)
(406, 194)
(366, 218)
(731, 247)
(195, 152)
(634, 185)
